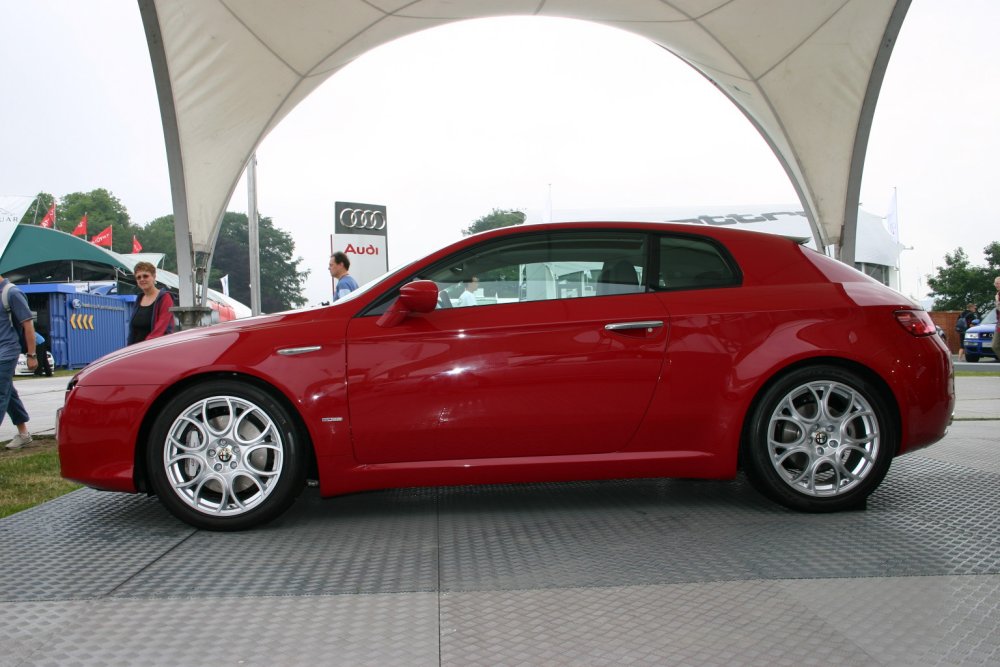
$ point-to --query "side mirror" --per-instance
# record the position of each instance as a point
(420, 296)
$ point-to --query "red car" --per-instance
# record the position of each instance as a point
(580, 351)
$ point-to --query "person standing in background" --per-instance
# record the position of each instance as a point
(996, 331)
(468, 297)
(19, 314)
(962, 325)
(42, 348)
(339, 266)
(151, 316)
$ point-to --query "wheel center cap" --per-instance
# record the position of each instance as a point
(820, 438)
(225, 453)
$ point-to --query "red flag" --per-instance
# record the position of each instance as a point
(50, 218)
(136, 246)
(81, 227)
(103, 238)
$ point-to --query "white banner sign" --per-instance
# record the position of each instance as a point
(367, 255)
(361, 233)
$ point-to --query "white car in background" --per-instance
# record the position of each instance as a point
(22, 364)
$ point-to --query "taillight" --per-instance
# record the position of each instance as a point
(916, 322)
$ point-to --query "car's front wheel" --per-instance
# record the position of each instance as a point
(225, 456)
(820, 439)
(971, 358)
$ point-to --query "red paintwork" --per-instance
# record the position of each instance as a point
(530, 391)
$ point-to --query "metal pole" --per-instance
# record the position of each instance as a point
(254, 237)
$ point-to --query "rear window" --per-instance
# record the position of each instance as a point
(693, 263)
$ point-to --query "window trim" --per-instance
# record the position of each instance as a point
(652, 240)
(724, 255)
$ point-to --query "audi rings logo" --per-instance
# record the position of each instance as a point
(365, 219)
(356, 218)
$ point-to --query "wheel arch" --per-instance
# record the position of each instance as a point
(141, 472)
(867, 374)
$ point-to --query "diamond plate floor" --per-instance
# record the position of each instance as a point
(665, 572)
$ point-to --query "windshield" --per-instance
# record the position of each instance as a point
(990, 318)
(370, 284)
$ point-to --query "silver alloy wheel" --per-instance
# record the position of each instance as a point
(823, 438)
(223, 455)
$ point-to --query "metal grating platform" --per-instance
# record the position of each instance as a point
(623, 572)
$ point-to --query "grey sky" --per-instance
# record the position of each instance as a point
(447, 124)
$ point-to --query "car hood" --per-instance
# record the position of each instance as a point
(182, 338)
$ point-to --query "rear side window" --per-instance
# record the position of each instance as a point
(694, 263)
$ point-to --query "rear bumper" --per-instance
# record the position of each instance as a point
(923, 381)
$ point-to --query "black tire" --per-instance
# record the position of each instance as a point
(820, 439)
(219, 473)
(971, 358)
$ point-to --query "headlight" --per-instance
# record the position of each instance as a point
(971, 336)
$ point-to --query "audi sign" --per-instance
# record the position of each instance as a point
(352, 218)
(361, 234)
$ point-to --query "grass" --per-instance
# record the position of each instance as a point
(30, 476)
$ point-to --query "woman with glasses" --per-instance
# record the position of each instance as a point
(151, 316)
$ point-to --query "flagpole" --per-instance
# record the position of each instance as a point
(34, 219)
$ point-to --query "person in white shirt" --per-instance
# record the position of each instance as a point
(468, 297)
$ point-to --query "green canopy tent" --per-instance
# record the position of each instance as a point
(37, 254)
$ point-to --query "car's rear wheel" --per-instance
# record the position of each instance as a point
(820, 439)
(225, 456)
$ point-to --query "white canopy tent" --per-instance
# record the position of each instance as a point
(806, 74)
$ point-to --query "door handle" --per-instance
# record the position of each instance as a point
(627, 326)
(294, 351)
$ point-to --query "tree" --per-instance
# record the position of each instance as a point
(495, 219)
(37, 211)
(958, 282)
(992, 253)
(103, 210)
(159, 236)
(281, 282)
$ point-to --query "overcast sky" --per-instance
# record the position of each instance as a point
(445, 125)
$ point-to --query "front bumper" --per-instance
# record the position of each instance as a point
(98, 430)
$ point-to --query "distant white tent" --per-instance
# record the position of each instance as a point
(877, 253)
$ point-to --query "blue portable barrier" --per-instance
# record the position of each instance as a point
(80, 326)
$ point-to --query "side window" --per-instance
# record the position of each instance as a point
(539, 267)
(693, 263)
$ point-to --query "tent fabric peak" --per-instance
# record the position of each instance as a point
(806, 75)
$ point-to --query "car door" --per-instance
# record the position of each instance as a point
(559, 356)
